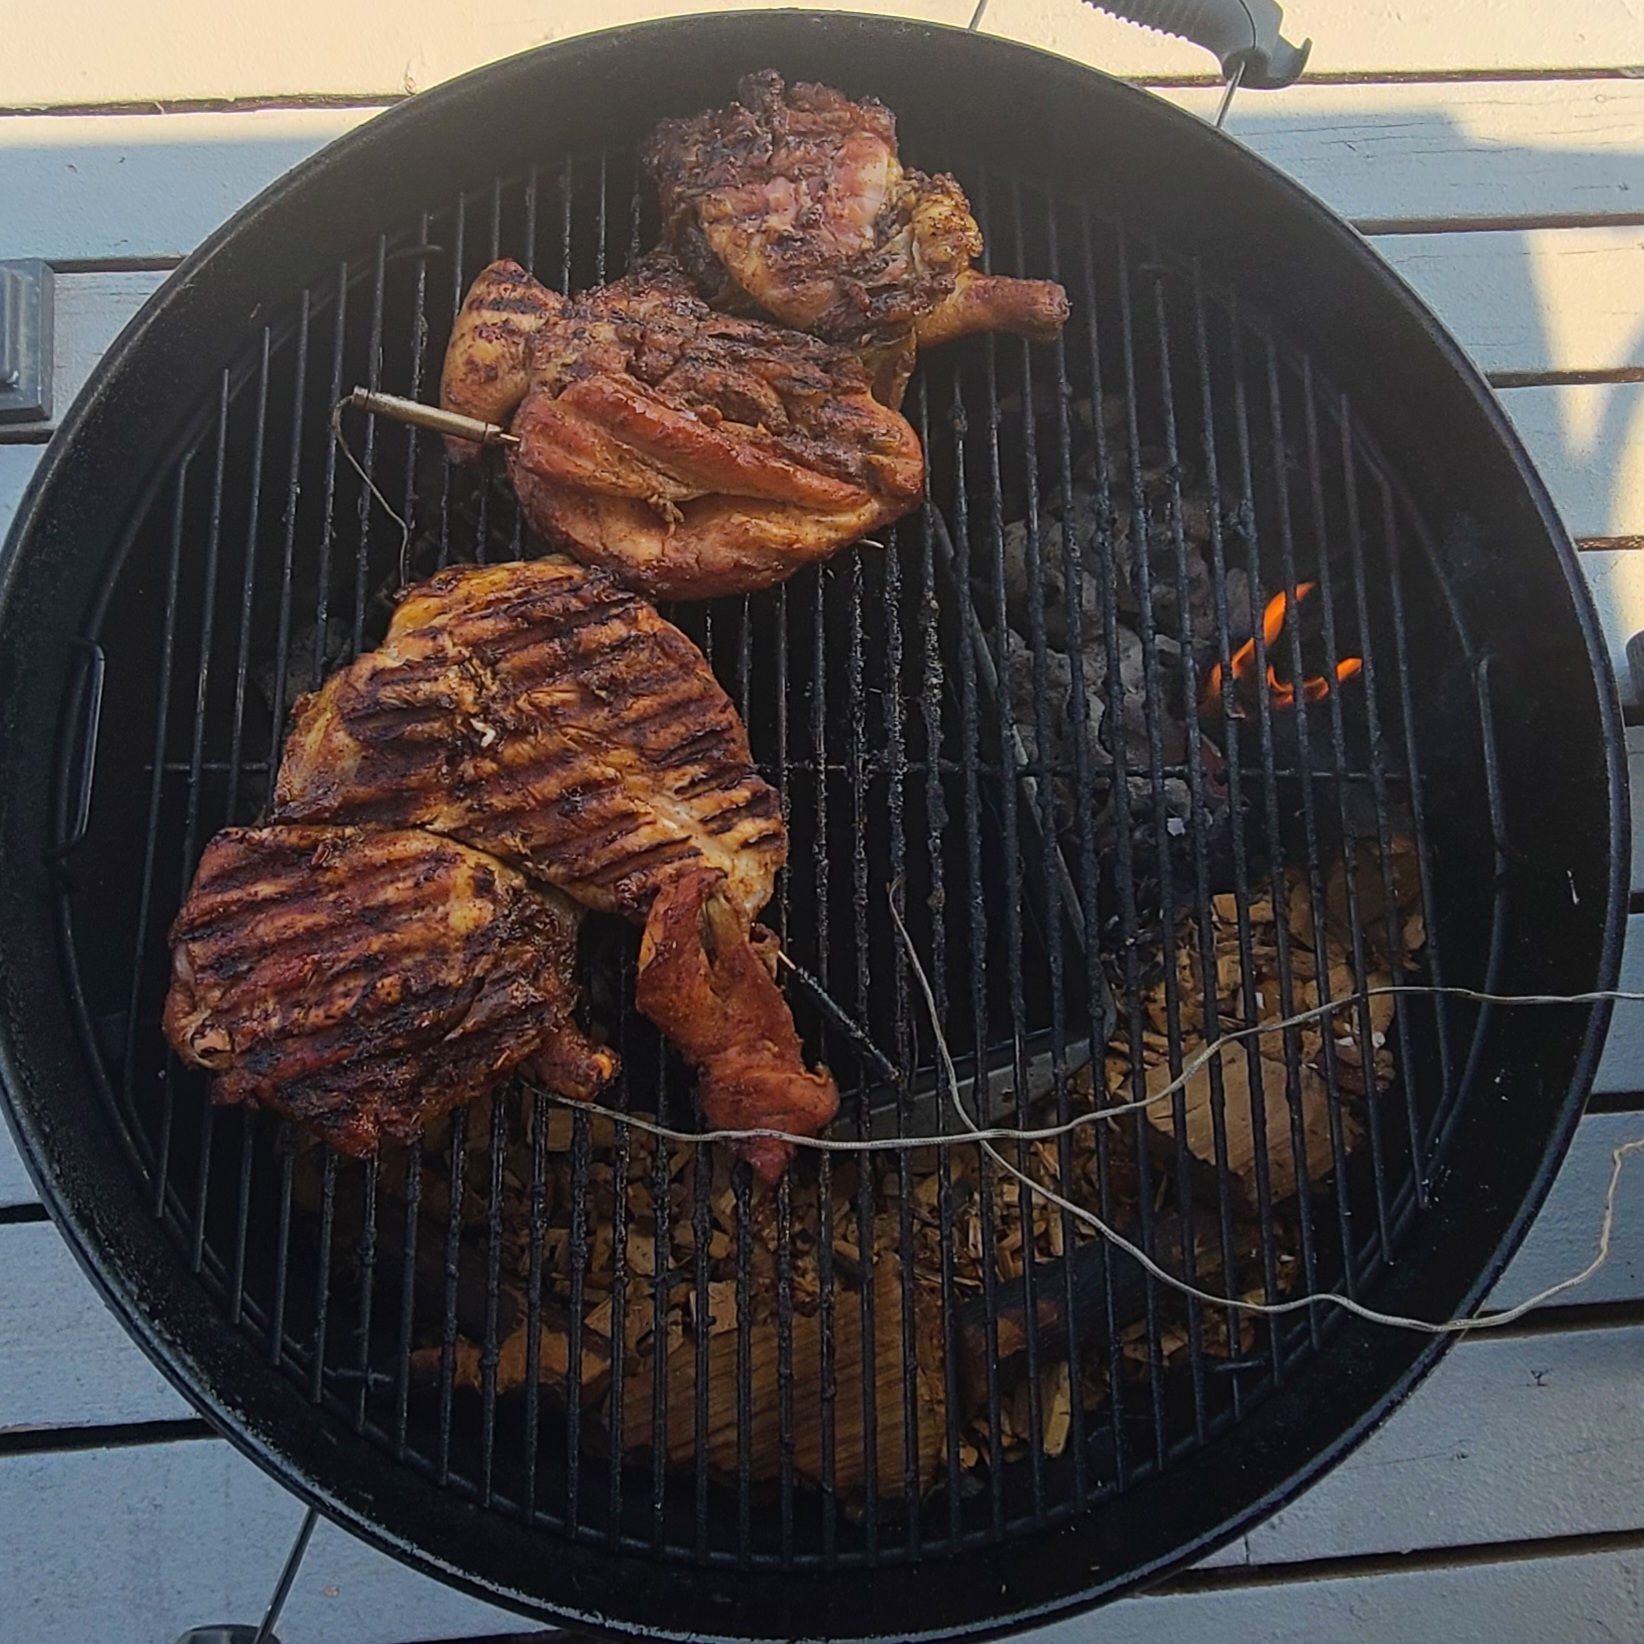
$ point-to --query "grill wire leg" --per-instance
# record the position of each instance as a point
(263, 1633)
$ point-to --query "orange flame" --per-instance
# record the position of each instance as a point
(1281, 693)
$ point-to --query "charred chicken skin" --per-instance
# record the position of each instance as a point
(692, 453)
(364, 982)
(793, 202)
(542, 712)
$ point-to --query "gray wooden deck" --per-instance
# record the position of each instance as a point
(1495, 154)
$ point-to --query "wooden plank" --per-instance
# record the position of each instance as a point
(65, 1361)
(62, 55)
(1621, 1067)
(1564, 1237)
(1507, 1440)
(141, 185)
(1558, 299)
(15, 1186)
(90, 310)
(17, 462)
(1574, 1597)
(143, 1542)
(1455, 154)
(1616, 578)
(1588, 441)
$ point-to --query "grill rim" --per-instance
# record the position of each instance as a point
(119, 1247)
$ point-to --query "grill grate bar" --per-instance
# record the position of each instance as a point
(1274, 844)
(456, 1159)
(1407, 713)
(1086, 909)
(1009, 739)
(1349, 833)
(1141, 543)
(538, 1213)
(970, 712)
(1201, 830)
(1086, 800)
(151, 831)
(857, 692)
(828, 1484)
(490, 1341)
(408, 1298)
(1310, 828)
(622, 1100)
(931, 697)
(1375, 734)
(896, 758)
(288, 537)
(1124, 868)
(1232, 722)
(191, 825)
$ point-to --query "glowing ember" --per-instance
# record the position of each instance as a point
(1281, 693)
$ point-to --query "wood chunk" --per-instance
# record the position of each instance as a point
(553, 1360)
(764, 1415)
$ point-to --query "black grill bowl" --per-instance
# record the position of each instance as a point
(132, 545)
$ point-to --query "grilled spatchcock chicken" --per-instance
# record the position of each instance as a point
(794, 202)
(543, 713)
(365, 981)
(693, 453)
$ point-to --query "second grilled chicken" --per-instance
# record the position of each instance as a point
(366, 981)
(793, 201)
(542, 712)
(692, 453)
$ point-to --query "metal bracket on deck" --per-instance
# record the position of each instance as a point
(25, 341)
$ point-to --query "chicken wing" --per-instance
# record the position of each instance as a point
(364, 981)
(794, 202)
(542, 712)
(705, 980)
(693, 453)
(487, 362)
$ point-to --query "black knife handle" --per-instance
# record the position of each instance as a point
(1243, 34)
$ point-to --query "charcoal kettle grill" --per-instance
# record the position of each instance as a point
(193, 552)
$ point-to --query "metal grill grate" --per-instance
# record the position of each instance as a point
(876, 694)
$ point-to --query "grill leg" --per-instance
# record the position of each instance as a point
(263, 1633)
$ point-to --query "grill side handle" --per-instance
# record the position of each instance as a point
(1244, 35)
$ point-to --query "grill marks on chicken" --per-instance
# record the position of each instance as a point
(693, 453)
(365, 981)
(542, 712)
(793, 201)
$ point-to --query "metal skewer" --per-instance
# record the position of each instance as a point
(431, 417)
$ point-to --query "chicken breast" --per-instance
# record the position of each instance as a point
(793, 202)
(365, 981)
(544, 713)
